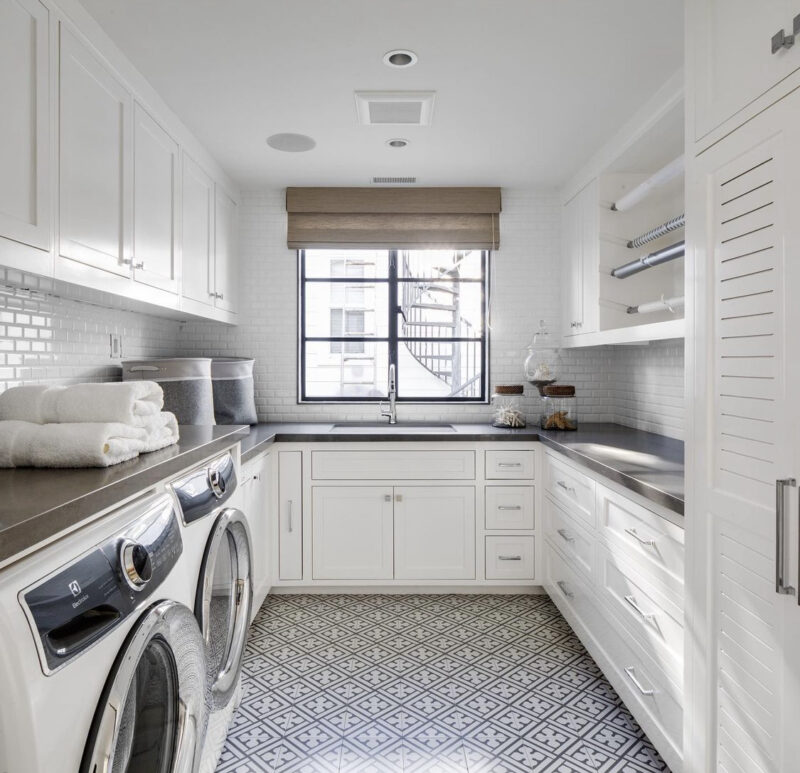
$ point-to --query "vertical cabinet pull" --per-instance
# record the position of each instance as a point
(780, 535)
(290, 519)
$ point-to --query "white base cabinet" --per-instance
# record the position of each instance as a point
(255, 484)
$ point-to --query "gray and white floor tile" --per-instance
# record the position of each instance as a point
(426, 684)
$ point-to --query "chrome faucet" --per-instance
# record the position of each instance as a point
(391, 413)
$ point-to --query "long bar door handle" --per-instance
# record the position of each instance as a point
(290, 518)
(780, 535)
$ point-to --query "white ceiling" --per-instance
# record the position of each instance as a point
(526, 90)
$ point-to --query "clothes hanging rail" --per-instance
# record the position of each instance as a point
(664, 304)
(658, 231)
(644, 189)
(656, 258)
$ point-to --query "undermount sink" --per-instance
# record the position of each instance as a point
(369, 427)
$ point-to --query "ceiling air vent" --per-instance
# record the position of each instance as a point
(395, 108)
(394, 180)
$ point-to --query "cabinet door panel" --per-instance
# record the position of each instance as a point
(434, 532)
(352, 532)
(155, 163)
(95, 161)
(225, 255)
(198, 233)
(25, 126)
(290, 515)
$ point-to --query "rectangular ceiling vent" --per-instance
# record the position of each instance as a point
(395, 108)
(394, 180)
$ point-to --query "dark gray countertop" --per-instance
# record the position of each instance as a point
(38, 504)
(649, 464)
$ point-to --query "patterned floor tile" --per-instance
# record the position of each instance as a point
(426, 684)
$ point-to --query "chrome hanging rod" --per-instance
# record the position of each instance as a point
(664, 304)
(644, 189)
(648, 261)
(658, 231)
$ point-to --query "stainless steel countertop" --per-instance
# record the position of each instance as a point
(36, 505)
(649, 464)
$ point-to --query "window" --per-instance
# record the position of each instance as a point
(422, 310)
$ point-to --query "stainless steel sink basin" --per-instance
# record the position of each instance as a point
(374, 427)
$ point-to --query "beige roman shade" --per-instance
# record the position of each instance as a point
(401, 218)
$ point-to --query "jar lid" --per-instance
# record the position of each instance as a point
(559, 390)
(509, 389)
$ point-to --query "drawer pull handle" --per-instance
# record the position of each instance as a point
(648, 617)
(780, 536)
(564, 534)
(509, 464)
(565, 486)
(509, 507)
(509, 558)
(650, 543)
(290, 519)
(566, 591)
(631, 672)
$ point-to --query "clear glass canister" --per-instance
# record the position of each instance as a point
(507, 405)
(559, 408)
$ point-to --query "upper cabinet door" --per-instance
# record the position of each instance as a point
(572, 275)
(225, 263)
(95, 162)
(25, 123)
(733, 63)
(155, 166)
(198, 233)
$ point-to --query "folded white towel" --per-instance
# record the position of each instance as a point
(24, 444)
(162, 431)
(126, 402)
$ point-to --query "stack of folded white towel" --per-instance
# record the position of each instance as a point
(85, 425)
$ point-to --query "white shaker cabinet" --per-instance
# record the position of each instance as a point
(225, 271)
(742, 541)
(255, 485)
(95, 162)
(198, 233)
(155, 172)
(352, 532)
(25, 123)
(290, 515)
(732, 57)
(579, 253)
(434, 532)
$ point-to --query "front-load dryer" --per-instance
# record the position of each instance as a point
(103, 666)
(224, 593)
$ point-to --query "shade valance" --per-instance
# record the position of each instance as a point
(400, 218)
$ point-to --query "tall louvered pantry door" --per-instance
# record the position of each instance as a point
(744, 196)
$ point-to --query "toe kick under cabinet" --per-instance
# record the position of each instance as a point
(409, 514)
(613, 564)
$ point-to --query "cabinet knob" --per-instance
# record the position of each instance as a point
(219, 296)
(398, 498)
(387, 497)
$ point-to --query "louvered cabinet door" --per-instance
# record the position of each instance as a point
(745, 196)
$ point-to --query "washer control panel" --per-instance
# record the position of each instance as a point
(80, 603)
(204, 489)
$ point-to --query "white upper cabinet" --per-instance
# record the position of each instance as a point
(198, 233)
(155, 173)
(225, 265)
(25, 123)
(731, 55)
(579, 255)
(95, 162)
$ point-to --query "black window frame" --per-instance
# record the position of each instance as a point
(393, 339)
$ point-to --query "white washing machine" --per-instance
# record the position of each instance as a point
(102, 665)
(216, 529)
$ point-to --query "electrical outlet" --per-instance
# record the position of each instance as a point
(115, 346)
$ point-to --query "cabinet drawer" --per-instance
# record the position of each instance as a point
(635, 531)
(650, 615)
(509, 465)
(509, 558)
(393, 465)
(565, 532)
(571, 488)
(510, 507)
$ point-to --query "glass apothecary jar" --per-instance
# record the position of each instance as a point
(507, 405)
(559, 408)
(543, 363)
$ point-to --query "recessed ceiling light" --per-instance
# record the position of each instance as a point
(398, 142)
(291, 143)
(400, 57)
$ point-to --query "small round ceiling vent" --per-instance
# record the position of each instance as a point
(291, 143)
(400, 57)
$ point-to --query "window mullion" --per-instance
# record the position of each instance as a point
(392, 306)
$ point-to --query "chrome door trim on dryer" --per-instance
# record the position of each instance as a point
(170, 630)
(224, 663)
